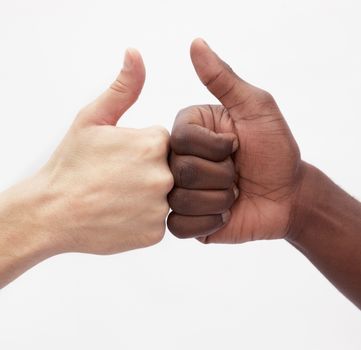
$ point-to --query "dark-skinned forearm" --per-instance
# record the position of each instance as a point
(327, 230)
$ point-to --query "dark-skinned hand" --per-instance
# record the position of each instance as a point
(236, 166)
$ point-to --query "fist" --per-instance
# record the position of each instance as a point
(204, 172)
(106, 187)
(236, 166)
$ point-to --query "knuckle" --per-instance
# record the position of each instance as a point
(156, 235)
(159, 132)
(170, 222)
(228, 198)
(178, 199)
(156, 182)
(184, 111)
(173, 224)
(164, 210)
(163, 182)
(168, 181)
(172, 198)
(223, 146)
(158, 140)
(179, 138)
(185, 173)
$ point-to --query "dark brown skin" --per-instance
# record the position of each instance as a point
(239, 177)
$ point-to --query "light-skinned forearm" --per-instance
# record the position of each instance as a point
(23, 237)
(103, 191)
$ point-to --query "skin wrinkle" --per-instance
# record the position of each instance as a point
(212, 119)
(120, 86)
(213, 79)
(253, 117)
(192, 175)
(261, 155)
(265, 195)
(227, 92)
(222, 115)
(202, 116)
(196, 202)
(109, 186)
(238, 104)
(281, 196)
(104, 190)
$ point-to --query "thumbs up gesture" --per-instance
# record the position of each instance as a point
(105, 188)
(236, 165)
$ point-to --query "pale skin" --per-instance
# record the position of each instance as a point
(239, 177)
(103, 191)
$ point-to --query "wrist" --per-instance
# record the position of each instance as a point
(313, 190)
(326, 229)
(24, 238)
(321, 208)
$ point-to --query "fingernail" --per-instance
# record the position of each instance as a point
(226, 216)
(128, 61)
(236, 192)
(235, 145)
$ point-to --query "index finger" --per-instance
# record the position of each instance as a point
(192, 136)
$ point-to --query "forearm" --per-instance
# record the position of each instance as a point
(23, 240)
(327, 230)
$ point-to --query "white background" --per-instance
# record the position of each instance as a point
(55, 56)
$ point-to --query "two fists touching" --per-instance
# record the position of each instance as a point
(236, 168)
(231, 173)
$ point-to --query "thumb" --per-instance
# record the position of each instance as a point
(122, 93)
(218, 77)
